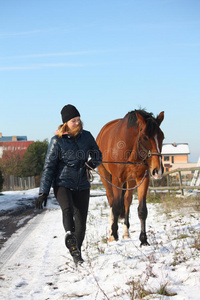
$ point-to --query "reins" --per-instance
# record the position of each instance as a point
(120, 162)
(119, 188)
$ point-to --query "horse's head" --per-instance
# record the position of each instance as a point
(150, 138)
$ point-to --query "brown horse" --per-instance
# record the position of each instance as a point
(131, 149)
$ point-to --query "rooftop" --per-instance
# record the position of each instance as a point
(175, 148)
(12, 138)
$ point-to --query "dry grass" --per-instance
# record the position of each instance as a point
(170, 202)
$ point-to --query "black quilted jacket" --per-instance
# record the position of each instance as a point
(65, 162)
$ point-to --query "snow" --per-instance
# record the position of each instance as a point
(35, 264)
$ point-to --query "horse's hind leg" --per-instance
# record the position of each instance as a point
(108, 178)
(113, 220)
(109, 192)
(117, 209)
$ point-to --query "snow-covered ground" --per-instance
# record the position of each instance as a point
(34, 263)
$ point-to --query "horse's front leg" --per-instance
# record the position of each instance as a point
(126, 234)
(142, 209)
(127, 202)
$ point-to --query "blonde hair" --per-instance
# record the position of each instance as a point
(63, 128)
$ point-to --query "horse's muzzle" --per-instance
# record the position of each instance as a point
(157, 174)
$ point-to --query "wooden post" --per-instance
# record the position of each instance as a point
(180, 182)
(153, 184)
(168, 182)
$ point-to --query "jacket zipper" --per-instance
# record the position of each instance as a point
(79, 171)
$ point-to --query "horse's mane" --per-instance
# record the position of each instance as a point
(151, 124)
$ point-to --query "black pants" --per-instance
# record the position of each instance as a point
(74, 205)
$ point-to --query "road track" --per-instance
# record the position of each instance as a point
(16, 243)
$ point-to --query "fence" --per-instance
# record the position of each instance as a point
(12, 183)
(175, 187)
(16, 183)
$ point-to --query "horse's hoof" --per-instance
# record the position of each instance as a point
(126, 237)
(111, 238)
(143, 239)
(144, 244)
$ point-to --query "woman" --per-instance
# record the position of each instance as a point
(65, 170)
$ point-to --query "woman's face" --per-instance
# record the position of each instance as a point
(73, 123)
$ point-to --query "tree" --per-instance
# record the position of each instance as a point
(1, 181)
(11, 162)
(33, 159)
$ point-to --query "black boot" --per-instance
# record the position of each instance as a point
(71, 244)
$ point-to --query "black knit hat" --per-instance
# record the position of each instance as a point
(69, 112)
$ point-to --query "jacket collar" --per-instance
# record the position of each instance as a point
(72, 137)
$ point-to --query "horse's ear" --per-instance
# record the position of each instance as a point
(140, 121)
(160, 118)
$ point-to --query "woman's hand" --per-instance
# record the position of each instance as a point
(39, 201)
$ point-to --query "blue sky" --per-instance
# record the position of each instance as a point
(107, 57)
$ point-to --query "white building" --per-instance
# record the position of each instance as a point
(175, 155)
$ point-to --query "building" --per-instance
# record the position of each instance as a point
(175, 156)
(13, 143)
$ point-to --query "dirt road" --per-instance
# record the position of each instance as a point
(12, 220)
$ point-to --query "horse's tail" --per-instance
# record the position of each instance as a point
(118, 206)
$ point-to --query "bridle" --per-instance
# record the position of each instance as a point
(147, 153)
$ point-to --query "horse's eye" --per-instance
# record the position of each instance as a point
(145, 138)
